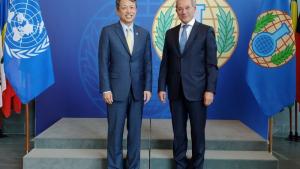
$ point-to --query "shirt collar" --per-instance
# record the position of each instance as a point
(124, 26)
(191, 23)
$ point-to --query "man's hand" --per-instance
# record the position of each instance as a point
(208, 98)
(162, 95)
(108, 97)
(147, 96)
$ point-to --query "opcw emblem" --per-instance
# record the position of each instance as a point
(216, 13)
(273, 41)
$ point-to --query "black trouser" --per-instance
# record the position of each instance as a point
(181, 109)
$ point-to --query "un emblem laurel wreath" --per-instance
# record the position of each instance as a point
(26, 35)
(25, 54)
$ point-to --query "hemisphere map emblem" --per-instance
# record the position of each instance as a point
(216, 13)
(26, 35)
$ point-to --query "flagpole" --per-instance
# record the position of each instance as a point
(150, 142)
(270, 135)
(1, 126)
(296, 122)
(290, 138)
(27, 141)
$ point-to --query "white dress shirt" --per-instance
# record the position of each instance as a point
(130, 27)
(188, 29)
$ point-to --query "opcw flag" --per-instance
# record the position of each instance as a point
(271, 66)
(27, 55)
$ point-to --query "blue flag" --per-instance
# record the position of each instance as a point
(27, 55)
(271, 65)
(3, 13)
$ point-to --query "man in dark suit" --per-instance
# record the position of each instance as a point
(125, 63)
(188, 71)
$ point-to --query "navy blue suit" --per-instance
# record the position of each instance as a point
(186, 76)
(127, 76)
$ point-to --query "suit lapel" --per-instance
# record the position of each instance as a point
(192, 36)
(120, 33)
(176, 31)
(136, 35)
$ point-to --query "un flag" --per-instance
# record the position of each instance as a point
(27, 55)
(271, 66)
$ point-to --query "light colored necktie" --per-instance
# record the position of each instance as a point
(183, 38)
(129, 40)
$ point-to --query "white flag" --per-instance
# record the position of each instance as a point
(2, 74)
